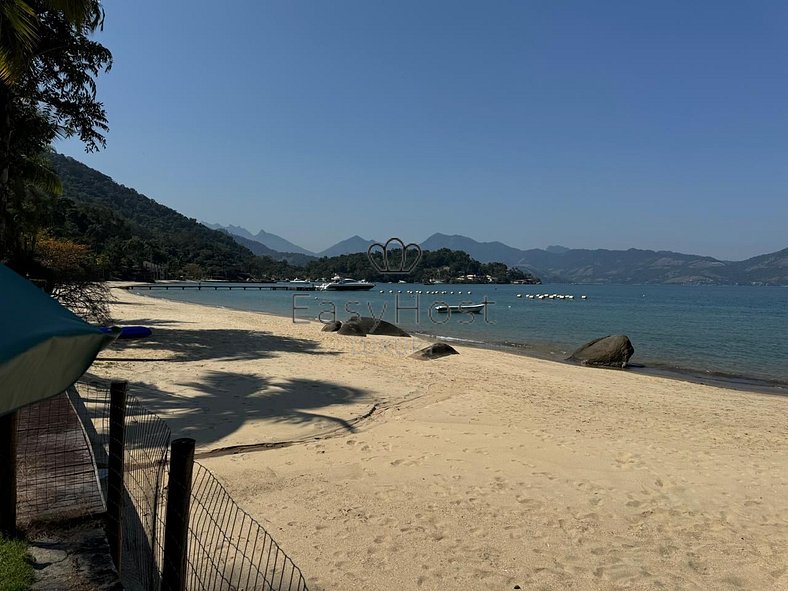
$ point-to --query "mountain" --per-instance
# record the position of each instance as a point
(294, 258)
(767, 269)
(560, 264)
(234, 230)
(256, 247)
(352, 245)
(132, 235)
(279, 243)
(272, 241)
(486, 252)
(131, 232)
(624, 266)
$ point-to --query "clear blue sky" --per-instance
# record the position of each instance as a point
(623, 124)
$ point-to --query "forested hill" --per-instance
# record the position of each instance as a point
(133, 236)
(126, 229)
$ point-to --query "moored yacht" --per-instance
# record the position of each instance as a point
(345, 284)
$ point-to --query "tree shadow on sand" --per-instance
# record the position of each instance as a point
(219, 403)
(204, 344)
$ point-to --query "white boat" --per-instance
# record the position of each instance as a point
(466, 308)
(345, 284)
(297, 280)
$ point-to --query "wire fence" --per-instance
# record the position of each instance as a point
(227, 549)
(145, 443)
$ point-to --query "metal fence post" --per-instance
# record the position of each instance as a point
(176, 520)
(115, 493)
(8, 424)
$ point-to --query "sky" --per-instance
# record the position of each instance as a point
(659, 125)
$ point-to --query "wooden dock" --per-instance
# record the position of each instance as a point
(222, 287)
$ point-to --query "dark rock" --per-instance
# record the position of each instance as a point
(351, 328)
(374, 326)
(434, 351)
(609, 351)
(332, 326)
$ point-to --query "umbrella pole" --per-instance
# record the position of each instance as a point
(8, 474)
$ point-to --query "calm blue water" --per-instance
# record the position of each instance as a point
(723, 331)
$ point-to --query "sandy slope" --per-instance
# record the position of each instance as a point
(479, 471)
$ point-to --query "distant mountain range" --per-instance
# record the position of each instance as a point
(560, 264)
(272, 242)
(128, 231)
(564, 265)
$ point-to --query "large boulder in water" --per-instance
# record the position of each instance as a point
(434, 351)
(375, 326)
(609, 351)
(332, 326)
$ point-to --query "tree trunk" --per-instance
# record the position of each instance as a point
(6, 241)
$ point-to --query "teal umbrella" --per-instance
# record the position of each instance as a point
(44, 348)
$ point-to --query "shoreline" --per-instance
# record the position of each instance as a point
(736, 382)
(483, 470)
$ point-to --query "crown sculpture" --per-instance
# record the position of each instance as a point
(404, 267)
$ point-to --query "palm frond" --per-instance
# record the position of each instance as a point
(18, 37)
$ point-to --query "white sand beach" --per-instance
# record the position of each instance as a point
(483, 470)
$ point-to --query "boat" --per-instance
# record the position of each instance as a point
(303, 281)
(465, 308)
(346, 284)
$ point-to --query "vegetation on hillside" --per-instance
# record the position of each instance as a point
(444, 265)
(130, 236)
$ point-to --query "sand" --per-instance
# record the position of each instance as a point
(483, 470)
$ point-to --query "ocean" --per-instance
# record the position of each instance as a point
(732, 334)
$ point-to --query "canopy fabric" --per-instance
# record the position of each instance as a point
(44, 348)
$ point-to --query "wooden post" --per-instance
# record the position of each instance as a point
(176, 524)
(8, 474)
(115, 465)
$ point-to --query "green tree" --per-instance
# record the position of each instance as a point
(48, 64)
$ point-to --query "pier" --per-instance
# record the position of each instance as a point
(219, 286)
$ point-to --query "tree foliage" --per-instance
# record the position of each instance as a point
(48, 63)
(445, 265)
(68, 271)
